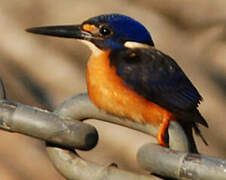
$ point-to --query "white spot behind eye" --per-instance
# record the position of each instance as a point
(131, 44)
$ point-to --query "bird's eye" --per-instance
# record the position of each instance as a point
(105, 31)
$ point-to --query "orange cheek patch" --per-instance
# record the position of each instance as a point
(89, 27)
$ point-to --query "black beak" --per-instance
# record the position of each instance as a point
(68, 31)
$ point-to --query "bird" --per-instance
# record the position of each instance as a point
(127, 76)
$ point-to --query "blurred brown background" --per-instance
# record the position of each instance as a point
(43, 71)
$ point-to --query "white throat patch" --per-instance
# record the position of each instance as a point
(131, 44)
(95, 50)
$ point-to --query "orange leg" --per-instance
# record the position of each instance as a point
(162, 130)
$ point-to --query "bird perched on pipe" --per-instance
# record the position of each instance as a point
(128, 77)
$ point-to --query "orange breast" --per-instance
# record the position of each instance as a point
(107, 91)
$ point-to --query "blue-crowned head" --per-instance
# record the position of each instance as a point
(112, 31)
(105, 31)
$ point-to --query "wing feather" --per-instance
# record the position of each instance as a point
(156, 77)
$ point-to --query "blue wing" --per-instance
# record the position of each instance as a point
(157, 77)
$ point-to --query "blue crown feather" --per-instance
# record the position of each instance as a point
(125, 29)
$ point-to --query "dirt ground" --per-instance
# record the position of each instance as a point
(43, 71)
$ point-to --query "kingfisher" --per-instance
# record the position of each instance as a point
(128, 77)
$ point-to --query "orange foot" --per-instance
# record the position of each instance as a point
(162, 130)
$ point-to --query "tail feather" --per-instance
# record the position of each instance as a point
(199, 119)
(189, 133)
(190, 121)
(188, 129)
(198, 132)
